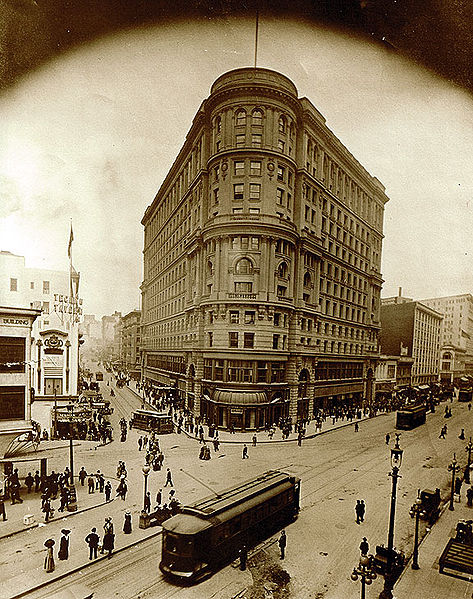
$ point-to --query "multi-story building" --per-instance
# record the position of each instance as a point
(262, 254)
(55, 334)
(410, 328)
(131, 343)
(393, 373)
(111, 335)
(16, 382)
(456, 339)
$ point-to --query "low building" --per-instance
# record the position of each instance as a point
(16, 378)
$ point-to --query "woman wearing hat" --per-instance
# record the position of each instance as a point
(64, 545)
(127, 523)
(108, 542)
(49, 559)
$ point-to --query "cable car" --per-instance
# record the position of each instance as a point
(150, 420)
(209, 533)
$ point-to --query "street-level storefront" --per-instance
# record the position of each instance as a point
(243, 410)
(330, 397)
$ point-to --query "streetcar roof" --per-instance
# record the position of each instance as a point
(187, 524)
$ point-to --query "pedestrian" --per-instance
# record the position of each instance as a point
(357, 427)
(29, 482)
(127, 523)
(49, 559)
(92, 540)
(159, 497)
(91, 484)
(244, 454)
(147, 502)
(140, 443)
(362, 510)
(82, 475)
(64, 499)
(108, 542)
(37, 481)
(469, 496)
(3, 511)
(254, 440)
(47, 509)
(460, 436)
(458, 485)
(63, 553)
(108, 491)
(168, 478)
(443, 432)
(243, 553)
(358, 511)
(282, 543)
(388, 437)
(364, 546)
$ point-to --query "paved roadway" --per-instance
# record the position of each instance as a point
(336, 469)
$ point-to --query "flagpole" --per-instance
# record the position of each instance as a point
(256, 36)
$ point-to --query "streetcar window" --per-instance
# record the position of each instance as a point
(171, 543)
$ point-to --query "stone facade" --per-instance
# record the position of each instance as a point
(262, 251)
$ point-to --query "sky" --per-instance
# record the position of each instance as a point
(89, 137)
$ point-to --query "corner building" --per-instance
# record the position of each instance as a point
(262, 250)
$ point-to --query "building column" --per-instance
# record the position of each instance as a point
(292, 379)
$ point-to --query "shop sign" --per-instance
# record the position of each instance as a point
(24, 322)
(236, 411)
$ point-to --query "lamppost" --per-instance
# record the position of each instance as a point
(468, 448)
(365, 572)
(415, 510)
(145, 469)
(72, 505)
(396, 461)
(453, 468)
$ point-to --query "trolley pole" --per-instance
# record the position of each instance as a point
(203, 484)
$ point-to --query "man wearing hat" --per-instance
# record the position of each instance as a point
(92, 540)
(64, 545)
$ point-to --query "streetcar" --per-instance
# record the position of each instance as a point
(411, 416)
(208, 534)
(150, 420)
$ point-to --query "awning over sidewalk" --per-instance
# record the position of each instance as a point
(240, 398)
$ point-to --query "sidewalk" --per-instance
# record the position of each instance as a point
(427, 581)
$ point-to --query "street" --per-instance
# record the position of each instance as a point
(336, 469)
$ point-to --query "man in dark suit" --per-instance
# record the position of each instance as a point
(92, 540)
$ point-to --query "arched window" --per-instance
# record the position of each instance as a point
(291, 130)
(282, 270)
(241, 118)
(282, 124)
(210, 268)
(218, 124)
(243, 267)
(307, 279)
(257, 117)
(447, 356)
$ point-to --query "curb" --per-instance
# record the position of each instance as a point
(78, 568)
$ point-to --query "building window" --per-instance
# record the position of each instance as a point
(32, 285)
(243, 266)
(218, 145)
(255, 191)
(248, 340)
(282, 124)
(254, 210)
(12, 354)
(241, 118)
(280, 196)
(244, 242)
(281, 145)
(255, 243)
(238, 191)
(45, 307)
(257, 117)
(211, 341)
(234, 316)
(277, 319)
(275, 341)
(243, 287)
(281, 291)
(240, 141)
(216, 196)
(45, 286)
(282, 270)
(250, 317)
(256, 140)
(12, 402)
(233, 339)
(237, 210)
(255, 168)
(218, 123)
(281, 173)
(13, 284)
(239, 168)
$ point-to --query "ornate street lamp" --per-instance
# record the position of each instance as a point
(145, 469)
(396, 461)
(468, 448)
(453, 467)
(365, 572)
(416, 511)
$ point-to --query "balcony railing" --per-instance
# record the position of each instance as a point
(245, 296)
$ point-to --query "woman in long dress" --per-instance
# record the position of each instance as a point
(108, 542)
(127, 523)
(49, 559)
(64, 545)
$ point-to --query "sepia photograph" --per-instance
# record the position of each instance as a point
(236, 299)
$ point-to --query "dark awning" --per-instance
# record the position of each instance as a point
(239, 398)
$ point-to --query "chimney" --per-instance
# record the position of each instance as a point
(400, 292)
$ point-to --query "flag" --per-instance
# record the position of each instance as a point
(69, 247)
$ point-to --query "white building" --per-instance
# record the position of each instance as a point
(55, 334)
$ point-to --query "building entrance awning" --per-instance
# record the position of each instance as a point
(423, 387)
(240, 398)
